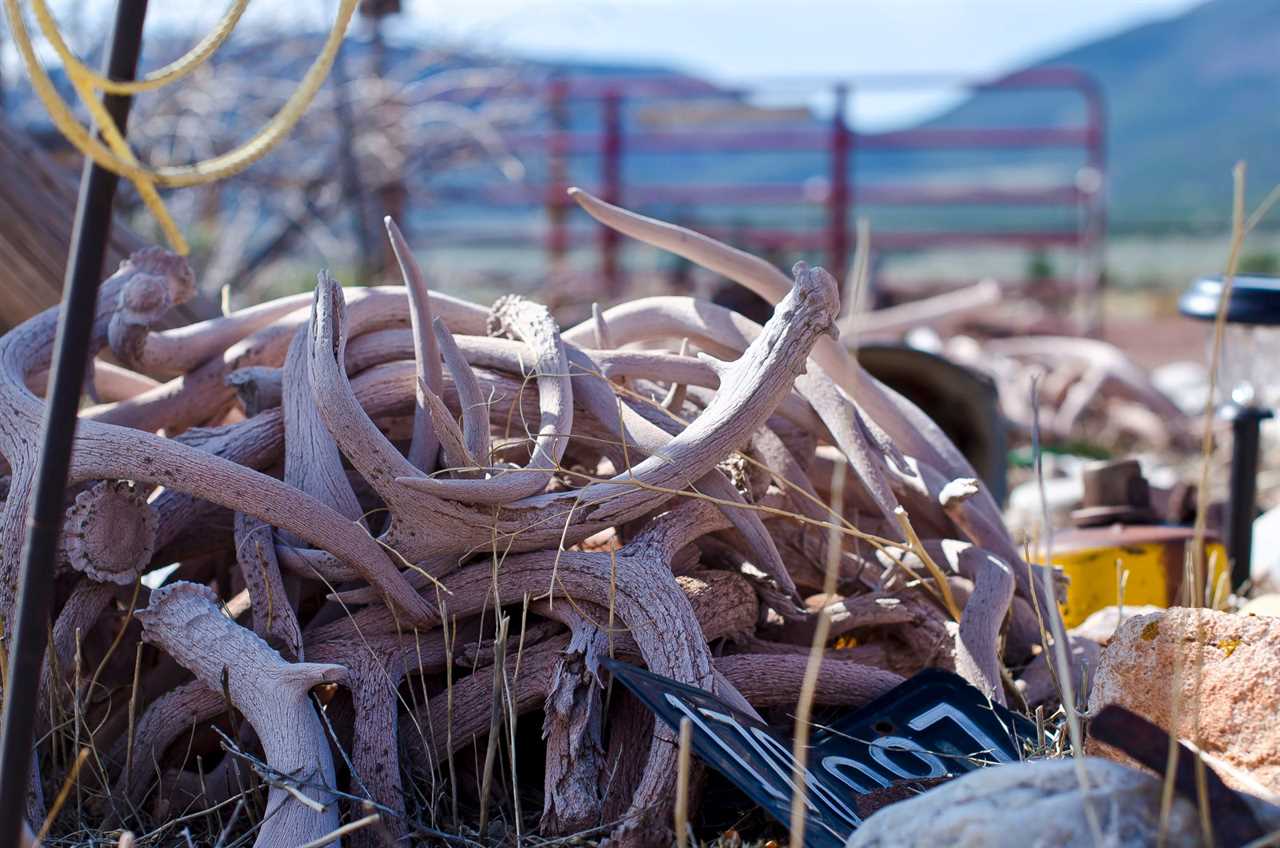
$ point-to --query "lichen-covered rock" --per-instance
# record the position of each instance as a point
(1034, 805)
(1153, 657)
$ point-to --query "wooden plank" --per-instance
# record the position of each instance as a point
(37, 204)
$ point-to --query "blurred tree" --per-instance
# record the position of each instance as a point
(371, 140)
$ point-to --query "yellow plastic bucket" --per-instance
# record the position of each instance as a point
(1152, 560)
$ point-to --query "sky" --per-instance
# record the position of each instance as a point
(750, 40)
(740, 40)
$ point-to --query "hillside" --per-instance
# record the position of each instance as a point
(1187, 97)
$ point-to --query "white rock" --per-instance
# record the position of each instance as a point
(1034, 805)
(1100, 626)
(1265, 570)
(1185, 383)
(1268, 604)
(1061, 493)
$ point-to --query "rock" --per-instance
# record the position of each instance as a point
(1238, 682)
(1265, 568)
(1062, 494)
(1268, 604)
(1037, 804)
(1102, 625)
(1186, 383)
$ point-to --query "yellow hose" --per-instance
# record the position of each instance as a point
(172, 72)
(116, 155)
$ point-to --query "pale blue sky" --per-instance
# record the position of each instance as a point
(743, 39)
(754, 39)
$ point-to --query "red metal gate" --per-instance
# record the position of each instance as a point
(564, 141)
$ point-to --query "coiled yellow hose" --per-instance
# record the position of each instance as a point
(116, 156)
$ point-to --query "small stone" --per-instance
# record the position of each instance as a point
(1153, 656)
(1025, 512)
(1268, 604)
(1102, 625)
(1037, 804)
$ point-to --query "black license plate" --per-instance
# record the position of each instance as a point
(933, 726)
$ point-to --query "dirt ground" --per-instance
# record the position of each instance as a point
(1156, 340)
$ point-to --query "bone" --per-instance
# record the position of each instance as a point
(533, 325)
(914, 432)
(572, 731)
(163, 721)
(257, 387)
(274, 618)
(622, 495)
(452, 442)
(475, 407)
(312, 463)
(184, 621)
(977, 640)
(424, 445)
(161, 282)
(772, 680)
(109, 532)
(944, 308)
(111, 383)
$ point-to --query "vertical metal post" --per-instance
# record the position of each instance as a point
(611, 189)
(89, 237)
(838, 197)
(1246, 424)
(557, 201)
(1096, 209)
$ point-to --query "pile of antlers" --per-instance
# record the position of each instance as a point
(382, 561)
(1088, 389)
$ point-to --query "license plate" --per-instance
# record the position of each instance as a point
(931, 727)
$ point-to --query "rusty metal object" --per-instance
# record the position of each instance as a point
(1117, 540)
(1233, 821)
(1114, 492)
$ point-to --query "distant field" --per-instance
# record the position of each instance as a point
(1132, 261)
(1144, 272)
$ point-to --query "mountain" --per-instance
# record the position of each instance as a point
(1186, 97)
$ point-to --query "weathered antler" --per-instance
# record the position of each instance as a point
(184, 620)
(306, 466)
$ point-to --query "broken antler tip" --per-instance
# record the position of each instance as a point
(328, 287)
(958, 491)
(182, 587)
(814, 284)
(315, 674)
(162, 601)
(395, 235)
